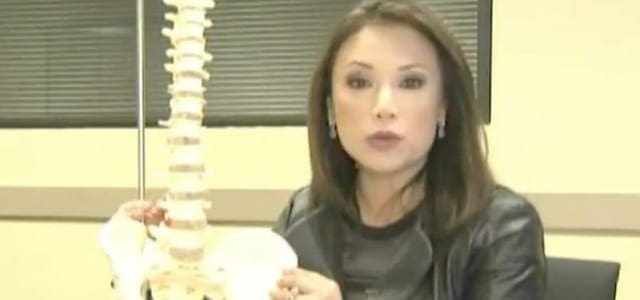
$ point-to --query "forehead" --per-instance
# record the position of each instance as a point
(391, 44)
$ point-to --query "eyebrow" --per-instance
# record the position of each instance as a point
(411, 66)
(360, 63)
(402, 68)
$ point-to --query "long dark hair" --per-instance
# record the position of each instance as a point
(456, 177)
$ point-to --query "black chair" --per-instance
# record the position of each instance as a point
(577, 279)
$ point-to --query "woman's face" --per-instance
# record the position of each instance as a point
(387, 98)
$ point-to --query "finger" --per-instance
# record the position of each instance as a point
(140, 210)
(287, 294)
(299, 280)
(154, 215)
(153, 219)
(278, 294)
(299, 272)
(134, 211)
(307, 297)
(152, 207)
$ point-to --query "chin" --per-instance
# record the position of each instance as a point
(388, 163)
(382, 166)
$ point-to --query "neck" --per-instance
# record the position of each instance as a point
(381, 199)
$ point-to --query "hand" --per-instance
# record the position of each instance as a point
(142, 211)
(309, 286)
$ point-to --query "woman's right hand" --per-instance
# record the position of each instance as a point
(142, 211)
(123, 239)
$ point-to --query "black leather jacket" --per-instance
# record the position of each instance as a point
(498, 256)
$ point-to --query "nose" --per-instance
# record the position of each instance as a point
(385, 107)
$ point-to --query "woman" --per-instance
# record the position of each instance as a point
(402, 204)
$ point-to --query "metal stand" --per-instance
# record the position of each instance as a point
(141, 100)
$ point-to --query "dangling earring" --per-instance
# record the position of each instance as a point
(330, 120)
(441, 132)
(332, 130)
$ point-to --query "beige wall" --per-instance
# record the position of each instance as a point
(566, 102)
(565, 120)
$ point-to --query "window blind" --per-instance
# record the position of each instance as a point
(66, 62)
(72, 63)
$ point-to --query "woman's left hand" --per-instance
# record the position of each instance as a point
(301, 284)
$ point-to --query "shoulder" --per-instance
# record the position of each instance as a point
(298, 208)
(507, 216)
(506, 258)
(507, 210)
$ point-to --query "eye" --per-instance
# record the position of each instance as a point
(358, 82)
(412, 82)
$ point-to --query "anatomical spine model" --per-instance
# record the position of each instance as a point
(181, 274)
(178, 265)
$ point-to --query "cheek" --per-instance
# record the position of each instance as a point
(421, 126)
(350, 112)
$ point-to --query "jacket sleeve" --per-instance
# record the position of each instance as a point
(511, 261)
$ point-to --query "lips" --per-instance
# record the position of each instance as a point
(383, 140)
